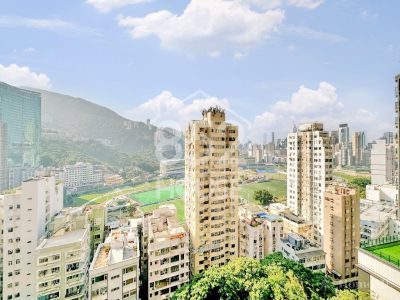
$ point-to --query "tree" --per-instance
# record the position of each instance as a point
(360, 183)
(351, 295)
(263, 196)
(243, 278)
(274, 277)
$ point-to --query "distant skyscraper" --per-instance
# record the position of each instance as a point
(211, 190)
(388, 136)
(358, 145)
(3, 157)
(341, 233)
(344, 134)
(20, 111)
(345, 155)
(309, 170)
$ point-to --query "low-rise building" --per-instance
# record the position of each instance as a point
(114, 271)
(167, 252)
(299, 249)
(62, 258)
(259, 232)
(113, 180)
(172, 168)
(385, 193)
(375, 219)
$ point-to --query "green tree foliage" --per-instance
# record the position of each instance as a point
(360, 183)
(351, 295)
(263, 196)
(271, 278)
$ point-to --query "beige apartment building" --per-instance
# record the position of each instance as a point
(341, 233)
(114, 271)
(211, 190)
(62, 258)
(309, 170)
(167, 253)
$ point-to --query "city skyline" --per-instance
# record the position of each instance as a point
(291, 36)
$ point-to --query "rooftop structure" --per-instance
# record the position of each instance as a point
(114, 271)
(299, 249)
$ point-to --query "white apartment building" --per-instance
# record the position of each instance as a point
(80, 175)
(114, 271)
(25, 217)
(385, 193)
(299, 249)
(309, 170)
(375, 219)
(211, 190)
(382, 162)
(259, 233)
(167, 252)
(62, 258)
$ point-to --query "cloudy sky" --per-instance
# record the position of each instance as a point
(270, 63)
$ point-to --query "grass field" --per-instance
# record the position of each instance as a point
(158, 195)
(179, 203)
(275, 187)
(389, 252)
(99, 198)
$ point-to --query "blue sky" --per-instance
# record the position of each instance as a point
(269, 62)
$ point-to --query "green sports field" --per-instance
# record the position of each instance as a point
(389, 252)
(276, 187)
(158, 195)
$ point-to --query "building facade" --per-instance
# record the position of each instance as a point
(341, 233)
(309, 170)
(382, 162)
(211, 190)
(114, 271)
(167, 253)
(62, 258)
(20, 112)
(358, 146)
(26, 215)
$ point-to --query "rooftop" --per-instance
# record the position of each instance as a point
(68, 237)
(119, 246)
(377, 212)
(388, 251)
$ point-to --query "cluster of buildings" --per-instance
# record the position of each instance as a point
(51, 252)
(255, 156)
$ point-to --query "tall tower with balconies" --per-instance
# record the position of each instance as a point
(211, 190)
(309, 171)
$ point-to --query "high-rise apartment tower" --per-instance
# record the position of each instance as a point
(211, 190)
(309, 170)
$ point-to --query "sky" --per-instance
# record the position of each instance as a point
(269, 63)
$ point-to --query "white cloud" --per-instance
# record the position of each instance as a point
(314, 34)
(29, 50)
(107, 5)
(55, 25)
(239, 55)
(309, 4)
(264, 4)
(167, 110)
(322, 105)
(23, 76)
(207, 26)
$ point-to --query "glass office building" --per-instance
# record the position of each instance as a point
(20, 120)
